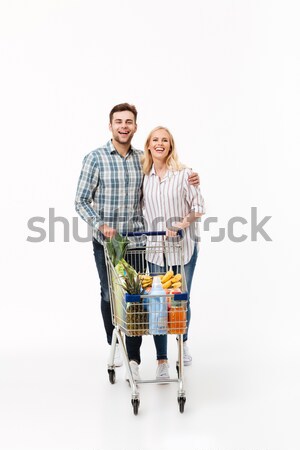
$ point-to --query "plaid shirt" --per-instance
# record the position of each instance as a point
(109, 190)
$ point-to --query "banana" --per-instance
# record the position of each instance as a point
(177, 277)
(167, 284)
(167, 276)
(145, 277)
(176, 285)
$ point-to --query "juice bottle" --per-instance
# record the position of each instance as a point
(177, 318)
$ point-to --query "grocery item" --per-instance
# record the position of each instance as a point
(136, 319)
(176, 278)
(129, 278)
(146, 280)
(116, 248)
(167, 276)
(118, 298)
(124, 278)
(167, 284)
(158, 312)
(177, 318)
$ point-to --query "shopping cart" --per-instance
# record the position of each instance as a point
(134, 315)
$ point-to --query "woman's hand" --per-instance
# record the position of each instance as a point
(194, 179)
(182, 225)
(176, 227)
(171, 233)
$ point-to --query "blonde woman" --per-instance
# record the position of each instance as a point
(170, 203)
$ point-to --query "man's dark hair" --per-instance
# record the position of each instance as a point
(123, 107)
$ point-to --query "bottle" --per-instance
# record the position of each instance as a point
(177, 319)
(177, 315)
(158, 311)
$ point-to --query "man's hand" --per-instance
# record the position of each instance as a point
(107, 231)
(194, 179)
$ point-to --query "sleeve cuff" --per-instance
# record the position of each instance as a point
(98, 224)
(199, 209)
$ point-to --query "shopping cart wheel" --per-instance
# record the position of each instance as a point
(135, 404)
(112, 375)
(181, 402)
(177, 368)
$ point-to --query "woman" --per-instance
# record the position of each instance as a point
(170, 204)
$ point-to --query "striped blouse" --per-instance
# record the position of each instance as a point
(168, 201)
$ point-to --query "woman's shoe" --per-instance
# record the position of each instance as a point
(187, 359)
(162, 372)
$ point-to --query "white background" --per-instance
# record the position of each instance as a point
(224, 77)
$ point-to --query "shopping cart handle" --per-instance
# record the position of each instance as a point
(149, 233)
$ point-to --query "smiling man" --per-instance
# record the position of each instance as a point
(109, 187)
(109, 194)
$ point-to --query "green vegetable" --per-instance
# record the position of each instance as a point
(118, 299)
(116, 248)
(128, 277)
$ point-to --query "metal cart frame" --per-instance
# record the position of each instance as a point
(145, 247)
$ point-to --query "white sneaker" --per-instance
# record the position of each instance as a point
(134, 370)
(187, 359)
(162, 372)
(118, 360)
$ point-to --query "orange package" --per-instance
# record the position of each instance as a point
(177, 320)
(176, 316)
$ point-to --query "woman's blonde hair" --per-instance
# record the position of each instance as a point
(172, 162)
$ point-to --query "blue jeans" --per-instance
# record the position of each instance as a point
(133, 344)
(189, 268)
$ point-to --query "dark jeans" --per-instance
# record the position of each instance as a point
(133, 344)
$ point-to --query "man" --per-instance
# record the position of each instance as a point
(108, 199)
